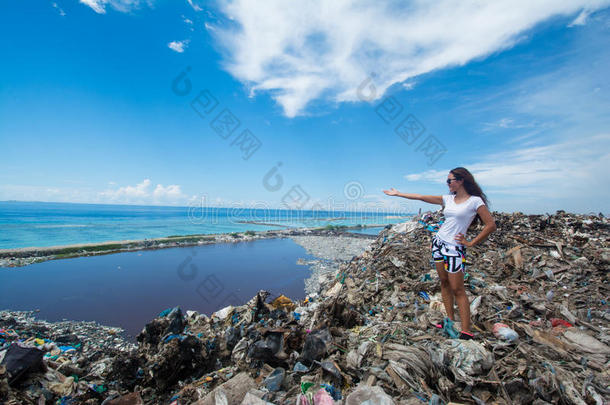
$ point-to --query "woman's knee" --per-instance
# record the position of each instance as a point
(458, 290)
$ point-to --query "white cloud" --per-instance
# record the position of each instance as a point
(96, 5)
(581, 19)
(171, 192)
(568, 95)
(178, 46)
(504, 123)
(510, 123)
(300, 52)
(99, 6)
(129, 192)
(195, 6)
(144, 194)
(568, 174)
(561, 103)
(408, 85)
(59, 9)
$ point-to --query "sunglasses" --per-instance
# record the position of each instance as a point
(450, 180)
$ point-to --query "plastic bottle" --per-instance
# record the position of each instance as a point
(503, 331)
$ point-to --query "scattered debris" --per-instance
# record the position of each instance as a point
(375, 334)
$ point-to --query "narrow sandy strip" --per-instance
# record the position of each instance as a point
(24, 256)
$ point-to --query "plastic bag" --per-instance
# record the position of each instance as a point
(503, 331)
(369, 396)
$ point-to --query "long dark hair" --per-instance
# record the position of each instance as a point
(471, 186)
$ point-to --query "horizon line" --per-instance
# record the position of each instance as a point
(187, 206)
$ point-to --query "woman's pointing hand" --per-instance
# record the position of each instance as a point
(391, 191)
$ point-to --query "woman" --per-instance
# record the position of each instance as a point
(465, 202)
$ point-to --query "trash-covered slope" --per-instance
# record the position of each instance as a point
(539, 282)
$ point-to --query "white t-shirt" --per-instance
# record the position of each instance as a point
(458, 217)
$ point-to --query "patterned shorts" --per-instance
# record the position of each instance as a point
(454, 257)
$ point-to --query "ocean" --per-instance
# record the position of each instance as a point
(40, 224)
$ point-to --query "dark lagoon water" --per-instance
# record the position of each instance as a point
(129, 289)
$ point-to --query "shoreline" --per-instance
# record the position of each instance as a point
(330, 250)
(20, 257)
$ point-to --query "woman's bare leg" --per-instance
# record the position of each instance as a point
(456, 282)
(445, 289)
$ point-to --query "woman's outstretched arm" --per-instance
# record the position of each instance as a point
(432, 199)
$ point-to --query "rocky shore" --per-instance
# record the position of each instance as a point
(538, 289)
(330, 251)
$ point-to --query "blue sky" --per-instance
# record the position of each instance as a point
(517, 93)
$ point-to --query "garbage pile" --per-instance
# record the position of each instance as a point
(42, 361)
(538, 289)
